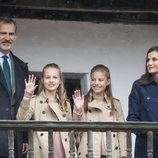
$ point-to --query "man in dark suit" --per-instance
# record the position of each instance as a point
(11, 93)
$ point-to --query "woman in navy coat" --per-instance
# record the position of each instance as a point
(143, 102)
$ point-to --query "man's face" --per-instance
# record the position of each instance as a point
(7, 36)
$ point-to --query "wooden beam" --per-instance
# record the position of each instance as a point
(98, 11)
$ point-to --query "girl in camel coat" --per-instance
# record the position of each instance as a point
(99, 105)
(50, 105)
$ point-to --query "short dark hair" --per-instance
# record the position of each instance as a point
(8, 20)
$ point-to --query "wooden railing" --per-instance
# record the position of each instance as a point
(89, 127)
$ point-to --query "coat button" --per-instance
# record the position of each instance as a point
(41, 101)
(43, 112)
(41, 134)
(114, 135)
(7, 109)
(65, 139)
(89, 110)
(40, 147)
(64, 115)
(148, 98)
(79, 153)
(116, 147)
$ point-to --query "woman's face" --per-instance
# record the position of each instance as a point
(99, 82)
(152, 63)
(51, 79)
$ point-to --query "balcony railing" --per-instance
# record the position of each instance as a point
(71, 126)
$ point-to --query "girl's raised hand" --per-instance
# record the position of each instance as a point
(78, 99)
(30, 84)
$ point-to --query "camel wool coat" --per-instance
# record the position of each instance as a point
(100, 111)
(37, 108)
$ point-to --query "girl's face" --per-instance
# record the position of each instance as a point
(51, 79)
(99, 82)
(152, 63)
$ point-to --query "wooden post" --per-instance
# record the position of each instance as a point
(150, 144)
(109, 144)
(90, 144)
(50, 144)
(129, 145)
(11, 143)
(31, 150)
(72, 144)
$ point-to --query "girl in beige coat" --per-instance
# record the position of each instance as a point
(50, 104)
(99, 105)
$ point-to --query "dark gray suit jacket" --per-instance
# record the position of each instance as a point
(9, 102)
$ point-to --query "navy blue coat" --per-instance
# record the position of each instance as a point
(143, 106)
(7, 110)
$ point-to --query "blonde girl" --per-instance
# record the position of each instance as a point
(49, 105)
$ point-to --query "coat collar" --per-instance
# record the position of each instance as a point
(106, 99)
(99, 105)
(151, 80)
(43, 97)
(57, 110)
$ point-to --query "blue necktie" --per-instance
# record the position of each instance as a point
(6, 71)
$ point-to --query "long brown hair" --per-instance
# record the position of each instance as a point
(61, 94)
(144, 79)
(108, 90)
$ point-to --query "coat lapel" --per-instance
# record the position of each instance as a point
(13, 75)
(55, 108)
(2, 80)
(60, 115)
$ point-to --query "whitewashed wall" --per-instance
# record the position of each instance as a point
(78, 46)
